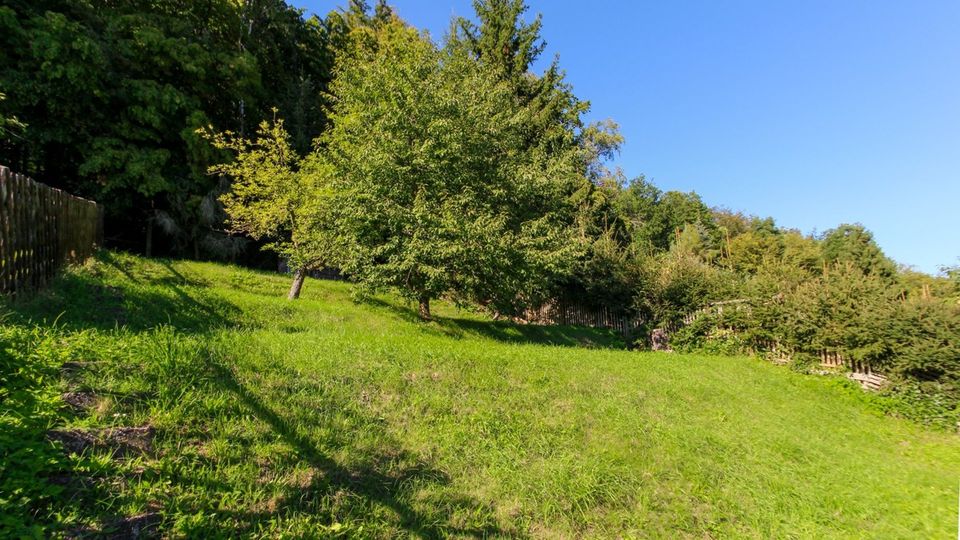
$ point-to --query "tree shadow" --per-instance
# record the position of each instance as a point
(81, 300)
(48, 480)
(506, 331)
(382, 479)
(564, 336)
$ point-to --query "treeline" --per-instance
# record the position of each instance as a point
(104, 97)
(779, 292)
(435, 168)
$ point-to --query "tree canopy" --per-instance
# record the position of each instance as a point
(436, 192)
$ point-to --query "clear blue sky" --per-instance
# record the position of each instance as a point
(815, 113)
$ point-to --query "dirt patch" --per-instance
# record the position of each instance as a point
(302, 479)
(122, 441)
(80, 401)
(145, 525)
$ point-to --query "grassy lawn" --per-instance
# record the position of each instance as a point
(327, 417)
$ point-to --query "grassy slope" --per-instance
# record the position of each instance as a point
(326, 417)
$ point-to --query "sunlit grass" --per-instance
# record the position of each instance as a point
(327, 417)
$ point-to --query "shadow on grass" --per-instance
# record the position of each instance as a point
(40, 482)
(81, 300)
(506, 331)
(383, 478)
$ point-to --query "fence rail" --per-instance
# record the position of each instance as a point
(830, 359)
(577, 314)
(41, 229)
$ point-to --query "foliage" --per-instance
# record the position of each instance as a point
(10, 126)
(926, 334)
(658, 218)
(707, 335)
(853, 244)
(924, 402)
(112, 94)
(277, 196)
(435, 191)
(678, 283)
(508, 46)
(35, 474)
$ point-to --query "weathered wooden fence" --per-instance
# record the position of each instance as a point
(578, 314)
(41, 229)
(829, 360)
(771, 348)
(859, 371)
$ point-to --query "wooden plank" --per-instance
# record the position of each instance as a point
(41, 228)
(6, 246)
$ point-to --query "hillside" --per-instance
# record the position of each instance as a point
(327, 416)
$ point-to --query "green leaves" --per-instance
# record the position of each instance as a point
(108, 89)
(436, 190)
(277, 196)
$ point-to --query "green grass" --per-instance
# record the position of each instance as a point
(326, 417)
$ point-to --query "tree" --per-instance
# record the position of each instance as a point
(278, 196)
(656, 219)
(952, 274)
(9, 125)
(436, 194)
(761, 243)
(502, 41)
(113, 92)
(502, 38)
(854, 244)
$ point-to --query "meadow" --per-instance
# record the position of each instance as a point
(334, 416)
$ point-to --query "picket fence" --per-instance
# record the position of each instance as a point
(830, 360)
(41, 229)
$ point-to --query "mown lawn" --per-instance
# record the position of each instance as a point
(328, 417)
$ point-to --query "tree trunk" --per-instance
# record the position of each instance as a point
(298, 277)
(424, 307)
(149, 247)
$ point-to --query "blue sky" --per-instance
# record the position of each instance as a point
(815, 113)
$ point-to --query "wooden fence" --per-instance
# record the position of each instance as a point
(577, 314)
(41, 229)
(830, 360)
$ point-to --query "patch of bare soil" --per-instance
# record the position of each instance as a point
(122, 441)
(80, 401)
(143, 525)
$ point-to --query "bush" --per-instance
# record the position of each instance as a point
(927, 403)
(708, 335)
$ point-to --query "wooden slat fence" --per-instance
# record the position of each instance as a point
(774, 350)
(831, 360)
(41, 229)
(578, 314)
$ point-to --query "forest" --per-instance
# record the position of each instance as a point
(248, 132)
